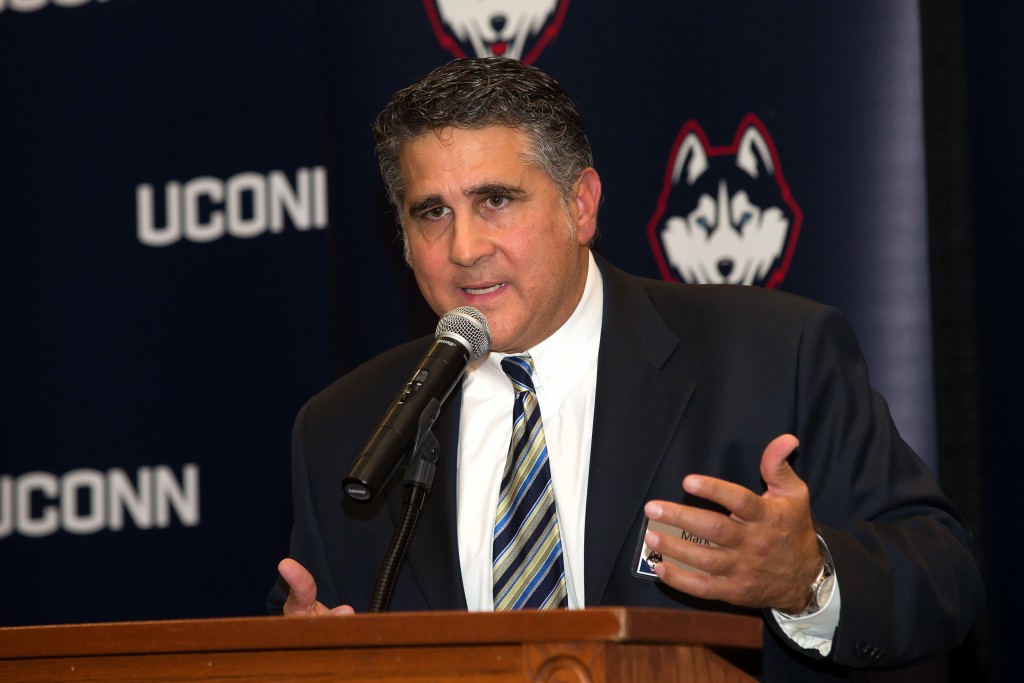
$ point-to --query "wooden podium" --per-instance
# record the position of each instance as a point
(601, 645)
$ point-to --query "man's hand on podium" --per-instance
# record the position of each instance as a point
(302, 600)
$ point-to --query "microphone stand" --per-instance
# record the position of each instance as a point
(419, 476)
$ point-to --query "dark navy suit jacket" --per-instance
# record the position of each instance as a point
(691, 379)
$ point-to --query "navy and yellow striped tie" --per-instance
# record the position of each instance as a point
(528, 571)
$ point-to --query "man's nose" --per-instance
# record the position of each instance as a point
(470, 241)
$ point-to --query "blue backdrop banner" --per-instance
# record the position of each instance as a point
(197, 238)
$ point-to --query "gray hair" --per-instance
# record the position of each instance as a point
(477, 93)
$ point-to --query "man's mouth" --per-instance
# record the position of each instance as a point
(476, 291)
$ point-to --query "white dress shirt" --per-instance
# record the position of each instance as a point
(565, 378)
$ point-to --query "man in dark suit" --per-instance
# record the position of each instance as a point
(798, 498)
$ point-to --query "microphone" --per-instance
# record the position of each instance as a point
(462, 336)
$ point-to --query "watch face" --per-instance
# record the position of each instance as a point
(822, 589)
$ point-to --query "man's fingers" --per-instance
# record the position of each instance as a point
(738, 500)
(691, 583)
(343, 609)
(706, 524)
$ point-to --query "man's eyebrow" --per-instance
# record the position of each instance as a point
(425, 203)
(495, 189)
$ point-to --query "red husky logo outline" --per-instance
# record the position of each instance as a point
(728, 213)
(496, 28)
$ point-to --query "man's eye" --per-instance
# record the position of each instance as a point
(435, 213)
(496, 202)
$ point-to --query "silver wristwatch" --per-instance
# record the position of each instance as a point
(821, 587)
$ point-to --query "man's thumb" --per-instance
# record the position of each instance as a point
(775, 471)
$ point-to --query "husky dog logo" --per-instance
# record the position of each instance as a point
(496, 28)
(725, 214)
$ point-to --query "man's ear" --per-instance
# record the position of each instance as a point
(586, 201)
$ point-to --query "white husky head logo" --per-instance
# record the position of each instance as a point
(725, 214)
(496, 28)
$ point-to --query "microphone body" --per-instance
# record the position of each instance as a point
(462, 336)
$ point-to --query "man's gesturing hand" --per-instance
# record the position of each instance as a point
(767, 554)
(302, 600)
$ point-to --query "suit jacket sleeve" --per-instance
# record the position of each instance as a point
(910, 586)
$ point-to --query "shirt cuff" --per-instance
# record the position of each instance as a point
(814, 631)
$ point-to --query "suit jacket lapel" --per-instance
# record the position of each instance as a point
(637, 411)
(433, 555)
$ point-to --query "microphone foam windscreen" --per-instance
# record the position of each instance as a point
(468, 324)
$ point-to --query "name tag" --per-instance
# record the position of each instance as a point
(647, 559)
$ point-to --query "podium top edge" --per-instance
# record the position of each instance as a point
(246, 634)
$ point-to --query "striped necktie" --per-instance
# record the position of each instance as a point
(528, 572)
